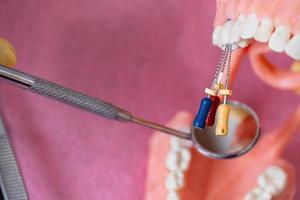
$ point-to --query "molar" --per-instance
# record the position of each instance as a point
(273, 180)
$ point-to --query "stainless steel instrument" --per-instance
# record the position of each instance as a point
(11, 181)
(110, 111)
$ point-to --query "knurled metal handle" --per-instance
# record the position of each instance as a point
(79, 100)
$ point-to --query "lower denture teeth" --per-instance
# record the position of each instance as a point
(175, 181)
(172, 161)
(173, 196)
(273, 180)
(177, 161)
(185, 157)
(177, 143)
(257, 194)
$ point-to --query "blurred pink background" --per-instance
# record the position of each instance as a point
(152, 57)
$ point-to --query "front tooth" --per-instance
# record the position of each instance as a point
(236, 29)
(257, 194)
(215, 35)
(175, 180)
(293, 47)
(264, 31)
(225, 33)
(250, 26)
(280, 38)
(273, 180)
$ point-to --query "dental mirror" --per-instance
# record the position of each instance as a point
(243, 133)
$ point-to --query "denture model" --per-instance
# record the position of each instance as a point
(261, 26)
(210, 104)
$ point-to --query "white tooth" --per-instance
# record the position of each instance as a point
(172, 161)
(185, 157)
(236, 29)
(178, 160)
(184, 166)
(225, 33)
(178, 143)
(273, 180)
(264, 31)
(280, 38)
(215, 35)
(173, 196)
(244, 42)
(293, 47)
(249, 27)
(257, 194)
(175, 180)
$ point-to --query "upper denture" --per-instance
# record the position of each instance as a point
(274, 22)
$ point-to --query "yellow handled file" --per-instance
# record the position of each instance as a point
(222, 121)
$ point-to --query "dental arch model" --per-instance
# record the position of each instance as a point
(257, 28)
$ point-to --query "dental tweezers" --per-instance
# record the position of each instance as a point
(80, 100)
(11, 182)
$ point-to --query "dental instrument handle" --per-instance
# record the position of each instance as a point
(80, 100)
(200, 119)
(222, 121)
(213, 110)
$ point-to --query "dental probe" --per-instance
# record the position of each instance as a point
(224, 109)
(80, 100)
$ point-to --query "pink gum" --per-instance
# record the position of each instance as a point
(278, 78)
